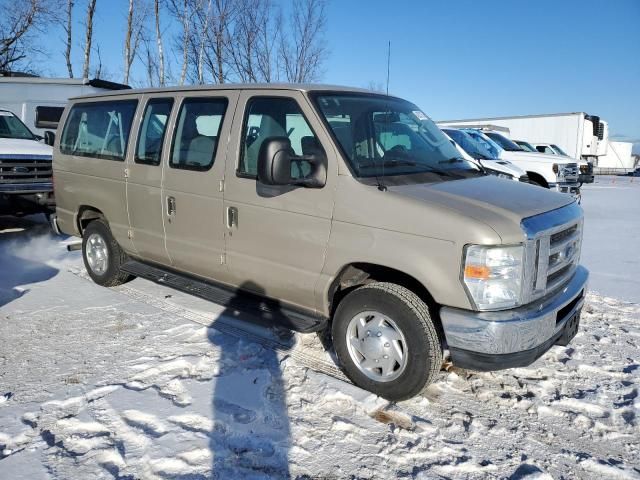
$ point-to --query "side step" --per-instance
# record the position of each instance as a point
(268, 310)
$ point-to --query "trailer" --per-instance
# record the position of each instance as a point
(580, 135)
(38, 102)
(618, 158)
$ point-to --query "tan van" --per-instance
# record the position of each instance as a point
(323, 207)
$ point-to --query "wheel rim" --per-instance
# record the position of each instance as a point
(97, 254)
(377, 346)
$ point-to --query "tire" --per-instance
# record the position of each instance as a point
(400, 309)
(103, 271)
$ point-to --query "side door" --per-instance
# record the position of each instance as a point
(192, 197)
(144, 179)
(276, 235)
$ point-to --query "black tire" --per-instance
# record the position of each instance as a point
(411, 315)
(113, 275)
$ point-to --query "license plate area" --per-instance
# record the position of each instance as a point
(570, 329)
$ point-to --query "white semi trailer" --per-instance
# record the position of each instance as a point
(38, 102)
(581, 136)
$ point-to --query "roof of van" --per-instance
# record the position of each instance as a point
(301, 87)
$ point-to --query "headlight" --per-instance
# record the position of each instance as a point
(493, 276)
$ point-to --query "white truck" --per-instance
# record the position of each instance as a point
(580, 135)
(38, 102)
(30, 109)
(548, 171)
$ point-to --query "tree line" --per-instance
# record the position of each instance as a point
(173, 41)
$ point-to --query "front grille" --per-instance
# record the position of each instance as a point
(25, 169)
(569, 172)
(552, 250)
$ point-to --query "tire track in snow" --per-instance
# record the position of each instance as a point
(228, 326)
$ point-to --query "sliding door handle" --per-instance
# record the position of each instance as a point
(232, 217)
(171, 206)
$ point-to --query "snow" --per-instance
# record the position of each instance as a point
(141, 381)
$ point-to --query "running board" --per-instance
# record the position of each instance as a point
(268, 310)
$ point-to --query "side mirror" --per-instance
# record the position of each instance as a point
(275, 160)
(49, 137)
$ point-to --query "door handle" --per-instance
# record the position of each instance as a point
(232, 217)
(171, 206)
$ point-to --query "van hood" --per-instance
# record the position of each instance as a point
(23, 147)
(499, 203)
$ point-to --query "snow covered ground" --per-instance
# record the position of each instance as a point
(141, 381)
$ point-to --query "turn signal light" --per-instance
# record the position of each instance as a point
(477, 271)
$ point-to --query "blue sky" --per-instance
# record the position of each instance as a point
(464, 58)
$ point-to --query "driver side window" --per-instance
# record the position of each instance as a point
(268, 117)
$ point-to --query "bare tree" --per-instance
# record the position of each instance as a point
(255, 32)
(18, 22)
(91, 8)
(133, 34)
(67, 30)
(303, 51)
(181, 11)
(161, 71)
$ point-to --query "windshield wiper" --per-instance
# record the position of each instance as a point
(390, 163)
(453, 160)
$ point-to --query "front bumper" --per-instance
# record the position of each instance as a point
(487, 341)
(572, 188)
(585, 178)
(26, 188)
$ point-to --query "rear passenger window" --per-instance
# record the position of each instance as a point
(152, 130)
(196, 135)
(276, 117)
(98, 129)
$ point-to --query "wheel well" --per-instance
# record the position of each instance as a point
(537, 178)
(357, 274)
(87, 214)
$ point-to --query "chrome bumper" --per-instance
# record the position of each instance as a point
(53, 221)
(514, 337)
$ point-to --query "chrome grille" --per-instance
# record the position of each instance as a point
(25, 169)
(569, 172)
(553, 245)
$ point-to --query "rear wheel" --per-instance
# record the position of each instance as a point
(386, 341)
(102, 255)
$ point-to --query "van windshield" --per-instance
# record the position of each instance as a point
(469, 145)
(390, 139)
(12, 127)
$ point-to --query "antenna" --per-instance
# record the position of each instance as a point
(388, 65)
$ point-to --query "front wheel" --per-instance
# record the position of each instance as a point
(386, 341)
(102, 255)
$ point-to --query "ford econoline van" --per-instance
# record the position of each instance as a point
(321, 207)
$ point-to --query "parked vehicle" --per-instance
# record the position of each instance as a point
(25, 169)
(582, 136)
(542, 170)
(550, 149)
(39, 101)
(526, 146)
(477, 152)
(635, 173)
(323, 207)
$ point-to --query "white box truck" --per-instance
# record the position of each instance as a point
(38, 102)
(580, 135)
